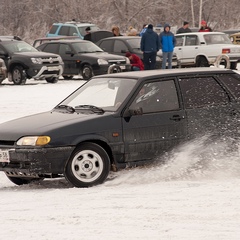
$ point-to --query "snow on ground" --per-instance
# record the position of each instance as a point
(195, 195)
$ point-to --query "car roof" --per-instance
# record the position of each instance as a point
(122, 37)
(166, 73)
(66, 41)
(200, 33)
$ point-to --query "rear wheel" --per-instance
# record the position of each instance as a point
(18, 75)
(202, 62)
(52, 79)
(89, 165)
(87, 72)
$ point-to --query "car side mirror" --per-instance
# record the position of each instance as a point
(132, 112)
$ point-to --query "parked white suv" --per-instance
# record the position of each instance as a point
(202, 49)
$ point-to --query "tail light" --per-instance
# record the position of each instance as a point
(226, 50)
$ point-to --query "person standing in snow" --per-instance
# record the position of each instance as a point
(167, 43)
(185, 28)
(204, 27)
(143, 30)
(149, 45)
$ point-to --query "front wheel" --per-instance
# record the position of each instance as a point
(89, 165)
(87, 72)
(18, 75)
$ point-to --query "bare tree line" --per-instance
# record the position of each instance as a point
(31, 19)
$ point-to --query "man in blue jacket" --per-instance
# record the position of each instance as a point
(149, 46)
(167, 43)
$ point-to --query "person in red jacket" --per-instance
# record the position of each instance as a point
(204, 27)
(136, 62)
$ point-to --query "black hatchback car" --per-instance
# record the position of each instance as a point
(84, 58)
(119, 120)
(122, 44)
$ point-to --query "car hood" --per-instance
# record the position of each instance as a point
(52, 123)
(35, 54)
(104, 55)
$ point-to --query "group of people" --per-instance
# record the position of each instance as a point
(151, 42)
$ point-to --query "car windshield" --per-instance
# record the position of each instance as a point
(217, 39)
(134, 43)
(94, 93)
(86, 47)
(19, 46)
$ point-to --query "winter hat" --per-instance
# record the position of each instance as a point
(150, 26)
(88, 29)
(128, 54)
(185, 23)
(203, 22)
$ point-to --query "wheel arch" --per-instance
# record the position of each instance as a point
(102, 143)
(201, 56)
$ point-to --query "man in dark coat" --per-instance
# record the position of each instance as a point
(88, 34)
(149, 45)
(185, 28)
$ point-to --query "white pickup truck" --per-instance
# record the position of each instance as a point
(202, 49)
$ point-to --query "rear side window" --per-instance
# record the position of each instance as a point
(53, 29)
(232, 81)
(201, 92)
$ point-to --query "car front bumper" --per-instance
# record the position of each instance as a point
(36, 160)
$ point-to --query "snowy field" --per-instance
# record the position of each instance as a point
(182, 200)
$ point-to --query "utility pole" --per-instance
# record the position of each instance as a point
(200, 13)
(193, 16)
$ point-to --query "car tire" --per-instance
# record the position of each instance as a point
(21, 181)
(114, 69)
(52, 79)
(89, 165)
(68, 77)
(87, 72)
(202, 62)
(18, 75)
(233, 65)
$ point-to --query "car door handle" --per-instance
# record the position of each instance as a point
(176, 118)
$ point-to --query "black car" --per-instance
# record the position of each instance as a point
(84, 58)
(24, 61)
(119, 120)
(122, 44)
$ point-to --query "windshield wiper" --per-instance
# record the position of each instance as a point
(90, 107)
(66, 107)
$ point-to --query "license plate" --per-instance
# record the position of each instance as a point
(4, 156)
(123, 67)
(53, 68)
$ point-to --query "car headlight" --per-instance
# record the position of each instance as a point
(102, 62)
(127, 60)
(36, 60)
(33, 141)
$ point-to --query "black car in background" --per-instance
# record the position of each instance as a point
(122, 44)
(84, 58)
(121, 120)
